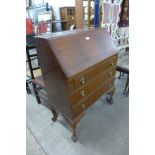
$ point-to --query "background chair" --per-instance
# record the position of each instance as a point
(34, 75)
(124, 70)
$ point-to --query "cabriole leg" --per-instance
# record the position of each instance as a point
(110, 96)
(73, 125)
(74, 136)
(55, 115)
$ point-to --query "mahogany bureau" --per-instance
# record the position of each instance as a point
(78, 67)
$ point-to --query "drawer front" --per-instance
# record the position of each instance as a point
(92, 98)
(84, 91)
(83, 78)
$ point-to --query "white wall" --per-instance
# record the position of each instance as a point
(61, 3)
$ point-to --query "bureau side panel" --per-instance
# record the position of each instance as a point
(55, 81)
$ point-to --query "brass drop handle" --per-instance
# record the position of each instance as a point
(112, 63)
(110, 73)
(82, 93)
(82, 80)
(83, 106)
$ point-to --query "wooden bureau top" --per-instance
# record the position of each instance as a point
(77, 50)
(62, 33)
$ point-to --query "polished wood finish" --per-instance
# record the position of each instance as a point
(78, 68)
(72, 51)
(86, 90)
(100, 68)
(94, 96)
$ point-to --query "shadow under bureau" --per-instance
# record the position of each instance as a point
(78, 67)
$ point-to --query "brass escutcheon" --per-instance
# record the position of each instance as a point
(82, 93)
(112, 63)
(82, 80)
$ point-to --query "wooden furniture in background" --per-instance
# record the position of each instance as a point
(68, 14)
(78, 67)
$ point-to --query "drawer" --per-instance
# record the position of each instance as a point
(92, 98)
(85, 77)
(87, 89)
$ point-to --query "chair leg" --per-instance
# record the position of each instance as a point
(110, 96)
(28, 88)
(36, 93)
(55, 114)
(120, 75)
(127, 93)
